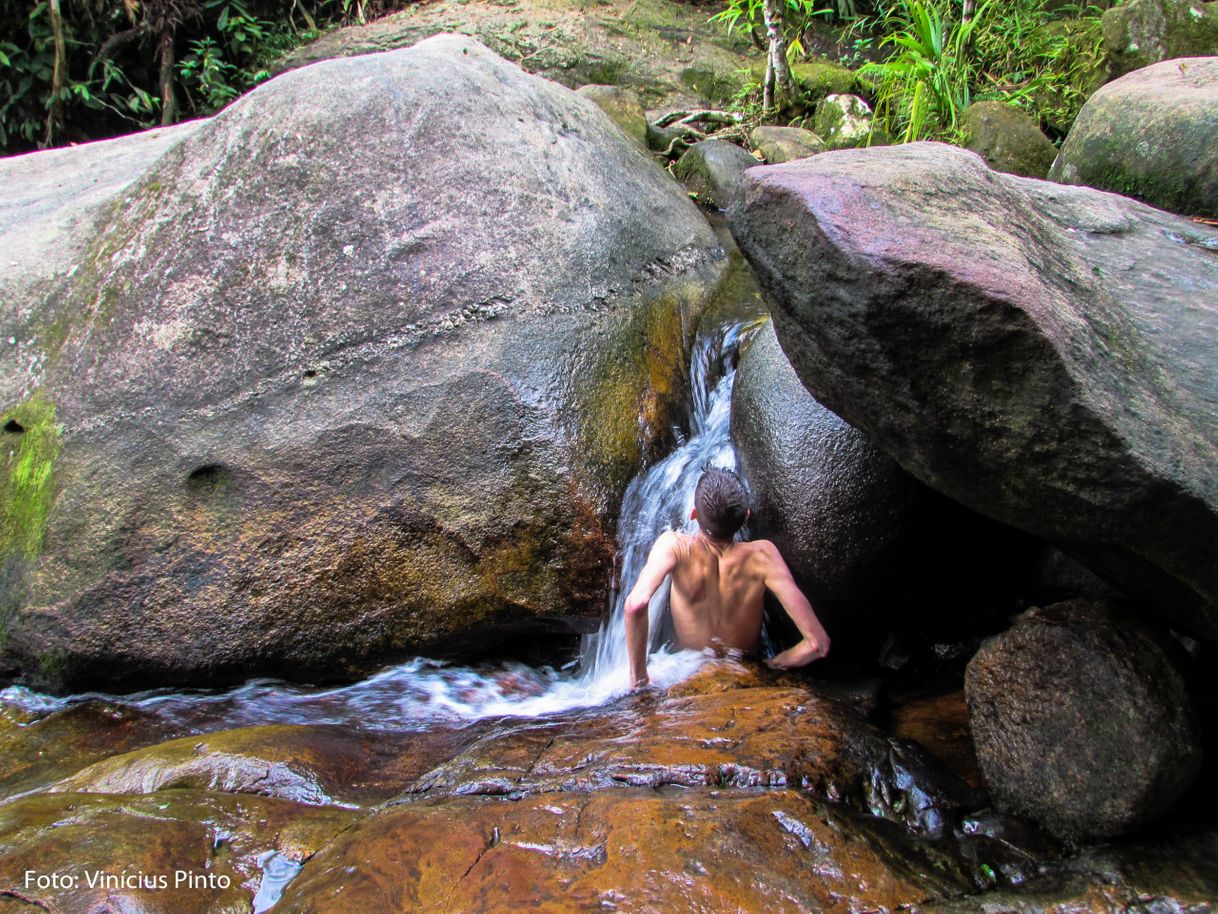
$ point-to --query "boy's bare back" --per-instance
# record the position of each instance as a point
(717, 599)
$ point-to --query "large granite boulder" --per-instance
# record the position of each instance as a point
(1152, 135)
(1138, 33)
(361, 367)
(1007, 139)
(1040, 353)
(1081, 722)
(871, 546)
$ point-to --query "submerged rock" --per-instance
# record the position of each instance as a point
(1081, 722)
(1174, 874)
(1007, 139)
(1138, 33)
(360, 368)
(41, 750)
(1039, 353)
(1153, 135)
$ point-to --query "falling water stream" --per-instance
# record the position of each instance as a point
(420, 692)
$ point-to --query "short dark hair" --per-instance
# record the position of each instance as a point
(722, 502)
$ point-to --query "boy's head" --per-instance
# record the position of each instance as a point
(721, 504)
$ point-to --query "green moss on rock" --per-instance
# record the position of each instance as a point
(32, 441)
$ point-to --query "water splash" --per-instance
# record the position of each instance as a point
(422, 693)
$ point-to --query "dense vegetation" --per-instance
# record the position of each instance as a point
(73, 70)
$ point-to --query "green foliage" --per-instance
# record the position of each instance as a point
(96, 69)
(1044, 59)
(798, 17)
(31, 440)
(927, 82)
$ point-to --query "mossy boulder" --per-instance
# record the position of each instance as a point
(712, 171)
(1153, 135)
(1139, 33)
(360, 368)
(664, 50)
(623, 108)
(1007, 139)
(784, 144)
(1081, 722)
(820, 77)
(843, 122)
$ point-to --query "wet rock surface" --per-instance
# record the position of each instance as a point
(1153, 135)
(305, 406)
(628, 850)
(1081, 721)
(738, 789)
(313, 765)
(1031, 350)
(206, 846)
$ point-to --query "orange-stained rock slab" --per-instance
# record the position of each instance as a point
(940, 724)
(73, 847)
(313, 764)
(35, 751)
(711, 732)
(739, 850)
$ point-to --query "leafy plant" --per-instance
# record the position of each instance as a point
(926, 84)
(1044, 59)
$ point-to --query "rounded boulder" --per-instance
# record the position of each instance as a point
(1081, 722)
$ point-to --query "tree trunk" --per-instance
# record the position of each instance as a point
(169, 104)
(969, 6)
(779, 87)
(58, 75)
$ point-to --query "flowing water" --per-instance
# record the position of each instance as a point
(419, 693)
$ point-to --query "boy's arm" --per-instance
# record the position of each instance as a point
(815, 642)
(660, 563)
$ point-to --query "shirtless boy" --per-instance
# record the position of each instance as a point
(718, 585)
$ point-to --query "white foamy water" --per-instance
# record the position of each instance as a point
(421, 692)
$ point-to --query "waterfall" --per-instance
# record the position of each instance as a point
(661, 498)
(421, 693)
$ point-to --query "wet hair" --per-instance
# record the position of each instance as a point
(722, 503)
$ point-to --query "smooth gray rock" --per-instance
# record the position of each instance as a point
(1081, 722)
(1042, 354)
(1152, 135)
(52, 204)
(355, 371)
